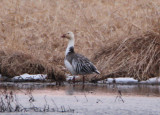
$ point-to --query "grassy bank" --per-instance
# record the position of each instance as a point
(119, 36)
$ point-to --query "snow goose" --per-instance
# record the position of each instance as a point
(76, 63)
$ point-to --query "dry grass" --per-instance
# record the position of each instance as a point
(138, 57)
(2, 55)
(9, 102)
(34, 27)
(19, 63)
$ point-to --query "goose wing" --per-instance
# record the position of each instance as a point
(82, 65)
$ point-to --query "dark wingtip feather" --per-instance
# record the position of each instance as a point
(97, 72)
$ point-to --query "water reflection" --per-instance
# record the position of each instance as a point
(145, 90)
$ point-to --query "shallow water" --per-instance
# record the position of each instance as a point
(91, 99)
(97, 89)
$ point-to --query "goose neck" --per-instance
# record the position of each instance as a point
(70, 47)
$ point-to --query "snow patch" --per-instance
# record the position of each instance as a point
(126, 80)
(121, 80)
(70, 77)
(130, 80)
(152, 80)
(30, 77)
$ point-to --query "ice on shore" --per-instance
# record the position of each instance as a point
(30, 77)
(70, 77)
(123, 80)
(109, 80)
(130, 80)
(120, 80)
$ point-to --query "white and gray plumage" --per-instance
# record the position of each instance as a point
(76, 63)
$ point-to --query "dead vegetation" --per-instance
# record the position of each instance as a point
(137, 57)
(9, 102)
(2, 54)
(34, 27)
(18, 63)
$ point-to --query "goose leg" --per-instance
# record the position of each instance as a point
(73, 79)
(83, 80)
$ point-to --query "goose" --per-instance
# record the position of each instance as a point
(76, 63)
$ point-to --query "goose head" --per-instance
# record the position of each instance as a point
(68, 35)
